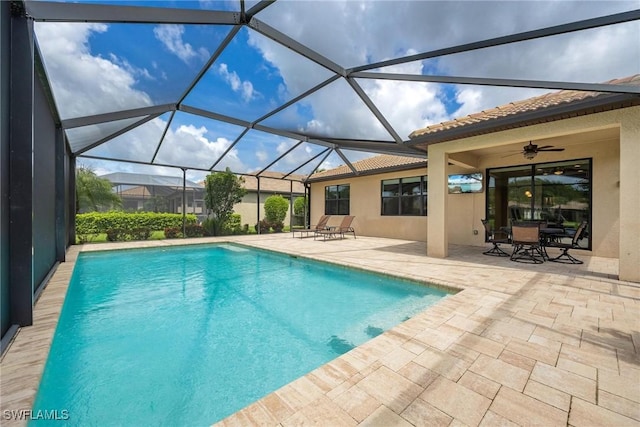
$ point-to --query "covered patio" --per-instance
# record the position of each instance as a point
(516, 345)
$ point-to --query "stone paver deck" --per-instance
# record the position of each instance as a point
(545, 345)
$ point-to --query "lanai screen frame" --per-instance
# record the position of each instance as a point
(23, 70)
(102, 13)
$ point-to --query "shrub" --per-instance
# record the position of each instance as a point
(193, 230)
(263, 226)
(100, 222)
(233, 224)
(299, 205)
(117, 235)
(172, 232)
(141, 233)
(275, 209)
(208, 227)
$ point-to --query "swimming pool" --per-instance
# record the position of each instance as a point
(188, 335)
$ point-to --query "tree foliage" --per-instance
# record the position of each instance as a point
(275, 209)
(222, 191)
(299, 205)
(93, 193)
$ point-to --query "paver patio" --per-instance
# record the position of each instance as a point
(546, 344)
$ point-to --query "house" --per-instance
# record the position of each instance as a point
(582, 164)
(141, 192)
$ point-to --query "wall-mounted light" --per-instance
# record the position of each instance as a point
(558, 171)
(528, 193)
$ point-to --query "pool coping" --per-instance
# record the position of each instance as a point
(23, 363)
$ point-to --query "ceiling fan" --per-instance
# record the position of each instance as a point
(531, 150)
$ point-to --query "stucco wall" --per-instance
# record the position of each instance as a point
(365, 201)
(464, 211)
(249, 211)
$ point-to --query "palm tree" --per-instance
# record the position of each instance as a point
(94, 193)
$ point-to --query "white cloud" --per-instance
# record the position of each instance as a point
(245, 88)
(171, 38)
(84, 84)
(354, 33)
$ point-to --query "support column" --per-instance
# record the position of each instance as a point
(184, 202)
(61, 222)
(21, 171)
(72, 201)
(629, 268)
(437, 234)
(258, 205)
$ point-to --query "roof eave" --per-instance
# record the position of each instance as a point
(560, 112)
(396, 168)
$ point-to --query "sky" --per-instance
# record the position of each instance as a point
(96, 68)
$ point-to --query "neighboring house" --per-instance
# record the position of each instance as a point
(271, 183)
(595, 177)
(140, 192)
(156, 193)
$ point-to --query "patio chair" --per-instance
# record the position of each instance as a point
(565, 257)
(321, 225)
(496, 250)
(344, 228)
(526, 243)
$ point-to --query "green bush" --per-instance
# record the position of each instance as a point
(172, 232)
(193, 230)
(117, 235)
(275, 210)
(232, 226)
(299, 205)
(263, 225)
(100, 222)
(141, 233)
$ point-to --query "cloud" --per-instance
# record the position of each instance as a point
(171, 38)
(354, 33)
(186, 145)
(84, 84)
(245, 88)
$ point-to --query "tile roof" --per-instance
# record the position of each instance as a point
(546, 101)
(372, 164)
(273, 182)
(540, 103)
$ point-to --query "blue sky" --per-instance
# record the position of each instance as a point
(98, 68)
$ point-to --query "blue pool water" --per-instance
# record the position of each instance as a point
(189, 335)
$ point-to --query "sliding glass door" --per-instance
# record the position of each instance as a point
(557, 193)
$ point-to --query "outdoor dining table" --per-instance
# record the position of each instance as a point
(546, 235)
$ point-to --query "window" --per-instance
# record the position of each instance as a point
(405, 196)
(558, 193)
(336, 199)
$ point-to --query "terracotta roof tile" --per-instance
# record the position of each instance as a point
(540, 102)
(377, 163)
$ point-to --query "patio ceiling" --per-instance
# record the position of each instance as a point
(292, 87)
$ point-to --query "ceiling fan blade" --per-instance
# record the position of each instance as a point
(544, 147)
(512, 154)
(550, 149)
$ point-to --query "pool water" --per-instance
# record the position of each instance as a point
(190, 335)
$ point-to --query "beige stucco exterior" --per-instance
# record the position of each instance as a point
(248, 209)
(611, 139)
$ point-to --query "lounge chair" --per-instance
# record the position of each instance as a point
(502, 237)
(565, 257)
(344, 228)
(526, 243)
(321, 225)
